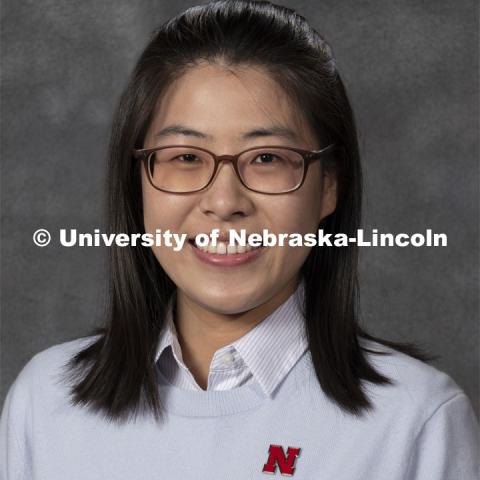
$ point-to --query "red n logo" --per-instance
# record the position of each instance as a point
(277, 457)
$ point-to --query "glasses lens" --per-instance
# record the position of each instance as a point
(271, 170)
(180, 169)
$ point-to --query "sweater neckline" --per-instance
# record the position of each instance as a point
(214, 403)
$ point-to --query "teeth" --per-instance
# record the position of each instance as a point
(241, 249)
(223, 248)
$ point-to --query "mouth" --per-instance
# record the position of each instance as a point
(223, 248)
(225, 255)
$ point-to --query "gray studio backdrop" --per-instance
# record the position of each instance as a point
(410, 68)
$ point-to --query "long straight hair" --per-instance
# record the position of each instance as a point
(115, 375)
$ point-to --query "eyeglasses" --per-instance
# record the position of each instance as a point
(187, 169)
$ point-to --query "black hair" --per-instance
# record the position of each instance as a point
(116, 374)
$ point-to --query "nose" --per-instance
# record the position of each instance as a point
(226, 198)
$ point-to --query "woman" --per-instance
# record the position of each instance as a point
(234, 363)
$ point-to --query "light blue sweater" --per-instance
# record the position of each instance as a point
(422, 428)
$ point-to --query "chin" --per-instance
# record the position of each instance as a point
(226, 302)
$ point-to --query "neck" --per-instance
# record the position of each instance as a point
(201, 332)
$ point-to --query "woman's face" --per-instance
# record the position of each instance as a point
(223, 108)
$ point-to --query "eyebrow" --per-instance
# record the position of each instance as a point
(258, 132)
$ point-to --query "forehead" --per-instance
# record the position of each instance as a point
(224, 101)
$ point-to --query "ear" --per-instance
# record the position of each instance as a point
(329, 193)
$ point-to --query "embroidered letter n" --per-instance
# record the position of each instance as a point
(277, 458)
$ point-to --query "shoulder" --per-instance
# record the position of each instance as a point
(433, 410)
(416, 387)
(51, 356)
(41, 374)
(35, 394)
(56, 356)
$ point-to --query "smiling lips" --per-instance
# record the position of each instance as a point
(224, 248)
(225, 255)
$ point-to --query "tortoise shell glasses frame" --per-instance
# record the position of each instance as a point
(308, 156)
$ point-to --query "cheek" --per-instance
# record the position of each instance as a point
(162, 210)
(310, 201)
(297, 214)
(153, 213)
(160, 213)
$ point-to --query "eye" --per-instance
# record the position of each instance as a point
(186, 158)
(265, 158)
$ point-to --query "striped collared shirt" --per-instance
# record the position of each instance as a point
(265, 354)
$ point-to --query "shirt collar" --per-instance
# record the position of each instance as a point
(269, 350)
(169, 336)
